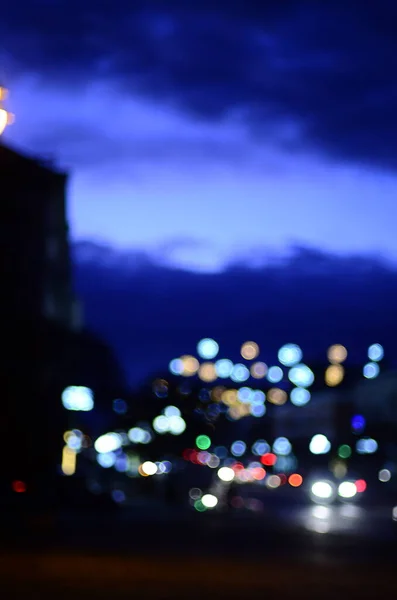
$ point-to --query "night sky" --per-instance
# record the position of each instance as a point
(202, 133)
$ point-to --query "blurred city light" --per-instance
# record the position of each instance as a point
(224, 368)
(290, 355)
(238, 448)
(337, 354)
(334, 375)
(323, 490)
(282, 446)
(371, 370)
(344, 451)
(301, 375)
(209, 500)
(277, 396)
(68, 464)
(207, 372)
(226, 474)
(78, 398)
(176, 366)
(319, 444)
(358, 423)
(275, 374)
(295, 480)
(347, 489)
(109, 442)
(249, 350)
(190, 365)
(375, 352)
(300, 396)
(239, 373)
(172, 411)
(203, 442)
(161, 424)
(361, 485)
(384, 475)
(366, 446)
(207, 348)
(258, 370)
(149, 468)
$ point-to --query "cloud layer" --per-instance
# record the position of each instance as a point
(305, 74)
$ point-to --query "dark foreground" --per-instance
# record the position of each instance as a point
(199, 556)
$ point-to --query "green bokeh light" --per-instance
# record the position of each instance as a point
(198, 505)
(344, 451)
(203, 442)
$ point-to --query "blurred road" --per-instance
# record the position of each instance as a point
(308, 550)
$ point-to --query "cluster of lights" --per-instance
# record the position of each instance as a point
(170, 421)
(325, 492)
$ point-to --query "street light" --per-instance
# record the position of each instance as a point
(6, 118)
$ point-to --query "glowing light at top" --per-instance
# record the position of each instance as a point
(207, 348)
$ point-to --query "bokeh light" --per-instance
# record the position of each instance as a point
(337, 354)
(295, 480)
(109, 442)
(347, 489)
(384, 475)
(209, 500)
(238, 448)
(203, 442)
(275, 374)
(290, 355)
(277, 396)
(334, 375)
(322, 490)
(249, 350)
(300, 396)
(207, 372)
(226, 474)
(190, 365)
(375, 352)
(282, 446)
(258, 370)
(224, 368)
(344, 451)
(371, 370)
(366, 446)
(358, 423)
(78, 398)
(176, 366)
(149, 468)
(207, 348)
(301, 375)
(239, 373)
(319, 444)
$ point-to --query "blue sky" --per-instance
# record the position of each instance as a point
(197, 170)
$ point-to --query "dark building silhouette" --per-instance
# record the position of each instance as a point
(45, 346)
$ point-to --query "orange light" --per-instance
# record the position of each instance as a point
(19, 486)
(295, 480)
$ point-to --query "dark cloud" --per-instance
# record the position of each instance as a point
(329, 67)
(150, 314)
(86, 145)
